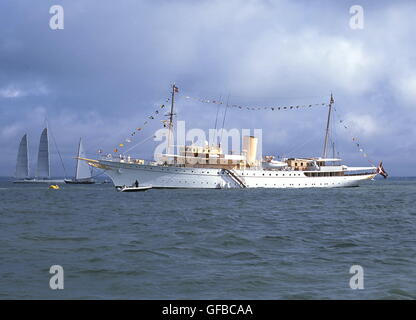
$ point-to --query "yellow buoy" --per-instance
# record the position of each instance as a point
(54, 187)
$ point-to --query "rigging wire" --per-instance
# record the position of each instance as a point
(56, 146)
(298, 147)
(216, 121)
(333, 136)
(347, 126)
(216, 117)
(97, 175)
(139, 143)
(223, 120)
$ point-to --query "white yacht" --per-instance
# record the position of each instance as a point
(209, 167)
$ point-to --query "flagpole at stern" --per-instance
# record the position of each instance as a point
(174, 90)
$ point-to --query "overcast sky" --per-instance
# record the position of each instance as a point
(112, 65)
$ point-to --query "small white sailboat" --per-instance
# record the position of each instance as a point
(83, 174)
(43, 174)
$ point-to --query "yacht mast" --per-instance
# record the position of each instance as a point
(331, 101)
(174, 89)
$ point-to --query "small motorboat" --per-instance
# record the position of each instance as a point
(133, 188)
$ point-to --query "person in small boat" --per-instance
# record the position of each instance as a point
(136, 184)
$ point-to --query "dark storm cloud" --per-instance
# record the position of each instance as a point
(113, 63)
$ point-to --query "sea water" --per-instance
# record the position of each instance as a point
(208, 244)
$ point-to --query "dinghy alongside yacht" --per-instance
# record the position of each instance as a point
(133, 188)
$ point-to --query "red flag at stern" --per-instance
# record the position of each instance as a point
(380, 170)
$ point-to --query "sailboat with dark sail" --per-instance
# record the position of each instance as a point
(22, 165)
(83, 173)
(43, 173)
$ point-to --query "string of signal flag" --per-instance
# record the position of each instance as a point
(244, 107)
(355, 140)
(207, 101)
(139, 129)
(240, 107)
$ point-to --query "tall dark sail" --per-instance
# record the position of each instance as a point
(43, 169)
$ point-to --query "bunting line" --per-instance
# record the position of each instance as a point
(355, 140)
(129, 140)
(245, 107)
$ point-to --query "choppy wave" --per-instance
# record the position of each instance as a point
(175, 244)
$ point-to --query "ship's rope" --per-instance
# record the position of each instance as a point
(56, 146)
(298, 147)
(258, 108)
(347, 126)
(225, 115)
(97, 175)
(119, 149)
(140, 143)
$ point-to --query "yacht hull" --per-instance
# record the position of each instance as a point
(186, 177)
